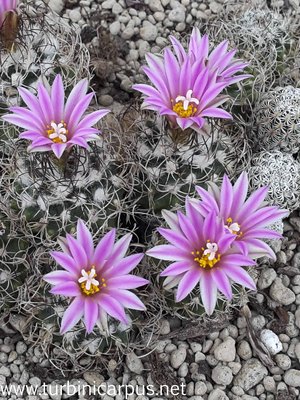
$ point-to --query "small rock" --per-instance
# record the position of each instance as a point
(56, 5)
(75, 15)
(283, 361)
(226, 350)
(217, 394)
(269, 384)
(200, 388)
(117, 9)
(155, 5)
(134, 363)
(271, 341)
(53, 391)
(93, 378)
(5, 371)
(292, 377)
(178, 357)
(35, 382)
(108, 4)
(215, 7)
(244, 350)
(177, 14)
(21, 348)
(183, 370)
(115, 28)
(105, 100)
(266, 278)
(251, 374)
(281, 293)
(222, 375)
(148, 31)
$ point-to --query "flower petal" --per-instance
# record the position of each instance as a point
(57, 277)
(168, 252)
(104, 248)
(177, 268)
(208, 291)
(77, 251)
(112, 307)
(72, 315)
(68, 289)
(222, 282)
(127, 299)
(66, 261)
(188, 283)
(85, 238)
(126, 282)
(91, 314)
(240, 276)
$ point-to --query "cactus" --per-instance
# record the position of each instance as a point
(281, 172)
(277, 118)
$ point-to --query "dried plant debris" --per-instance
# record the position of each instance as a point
(258, 347)
(200, 329)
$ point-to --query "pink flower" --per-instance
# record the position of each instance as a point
(246, 219)
(202, 254)
(187, 85)
(97, 278)
(53, 125)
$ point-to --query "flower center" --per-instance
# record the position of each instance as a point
(57, 132)
(208, 256)
(186, 106)
(88, 284)
(233, 227)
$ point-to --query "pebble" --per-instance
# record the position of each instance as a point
(177, 15)
(155, 5)
(117, 9)
(283, 361)
(271, 341)
(115, 28)
(183, 370)
(134, 363)
(148, 31)
(105, 100)
(93, 378)
(222, 375)
(252, 372)
(244, 350)
(56, 5)
(108, 4)
(269, 384)
(281, 293)
(292, 377)
(178, 357)
(200, 388)
(75, 15)
(21, 348)
(226, 350)
(266, 278)
(217, 394)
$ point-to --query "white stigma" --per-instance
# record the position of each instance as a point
(211, 249)
(186, 100)
(88, 277)
(59, 132)
(233, 228)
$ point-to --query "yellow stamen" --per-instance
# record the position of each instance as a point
(205, 260)
(93, 288)
(181, 112)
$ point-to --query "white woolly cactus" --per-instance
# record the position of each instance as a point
(45, 45)
(281, 172)
(277, 117)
